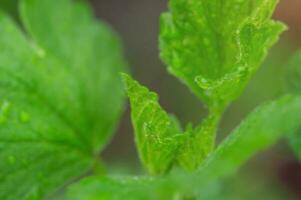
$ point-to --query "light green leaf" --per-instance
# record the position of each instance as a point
(157, 135)
(261, 129)
(215, 46)
(198, 143)
(55, 111)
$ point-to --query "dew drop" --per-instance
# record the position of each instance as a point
(24, 117)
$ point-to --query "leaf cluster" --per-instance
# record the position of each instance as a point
(61, 96)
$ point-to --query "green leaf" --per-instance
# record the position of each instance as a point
(55, 109)
(111, 188)
(261, 129)
(215, 47)
(9, 6)
(90, 51)
(293, 76)
(198, 143)
(293, 85)
(157, 135)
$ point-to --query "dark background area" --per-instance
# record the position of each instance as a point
(136, 21)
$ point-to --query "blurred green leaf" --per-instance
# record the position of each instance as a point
(261, 129)
(110, 188)
(10, 6)
(293, 77)
(293, 85)
(215, 46)
(90, 51)
(60, 96)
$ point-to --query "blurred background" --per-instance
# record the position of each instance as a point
(275, 173)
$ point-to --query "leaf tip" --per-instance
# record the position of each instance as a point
(126, 79)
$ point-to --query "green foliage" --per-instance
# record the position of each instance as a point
(9, 6)
(157, 137)
(261, 129)
(60, 95)
(89, 52)
(215, 46)
(113, 188)
(293, 76)
(160, 139)
(214, 50)
(198, 143)
(293, 85)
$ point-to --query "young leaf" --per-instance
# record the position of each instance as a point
(198, 143)
(157, 136)
(215, 46)
(55, 114)
(261, 129)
